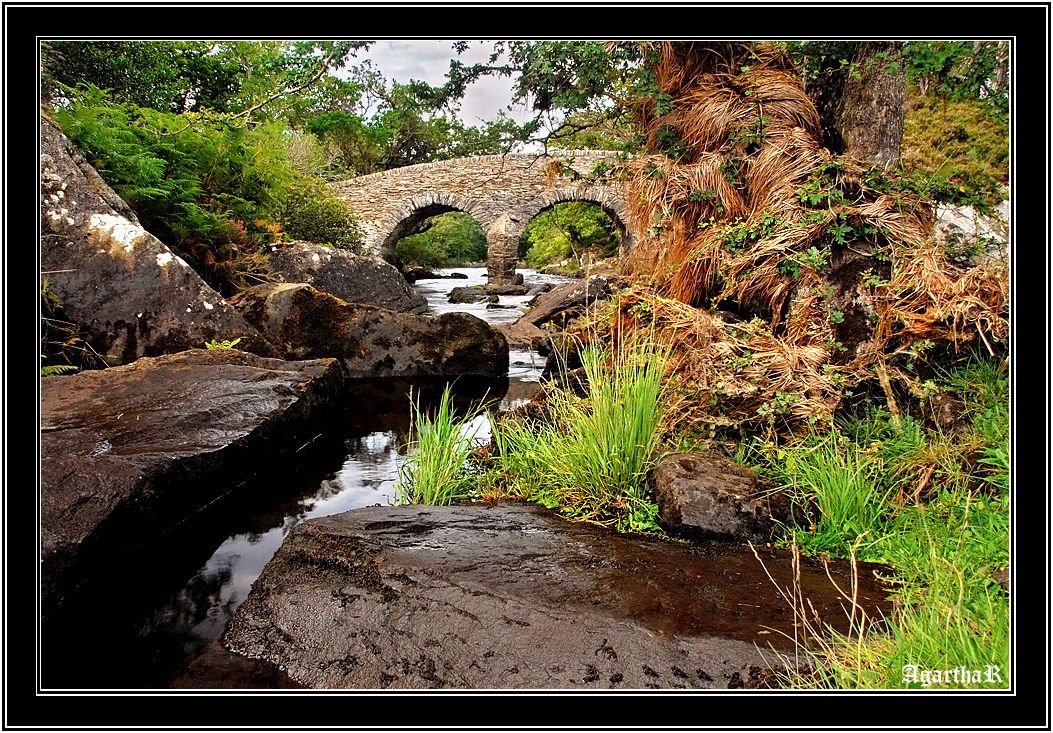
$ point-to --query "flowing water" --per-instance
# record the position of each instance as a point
(152, 617)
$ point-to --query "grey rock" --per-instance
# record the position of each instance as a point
(706, 496)
(129, 293)
(511, 596)
(471, 295)
(304, 323)
(973, 239)
(562, 304)
(137, 448)
(352, 278)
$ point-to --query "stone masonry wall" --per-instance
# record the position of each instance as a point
(502, 193)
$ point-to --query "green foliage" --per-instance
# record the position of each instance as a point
(959, 150)
(960, 71)
(254, 79)
(919, 502)
(437, 470)
(589, 81)
(61, 343)
(226, 344)
(169, 76)
(52, 370)
(403, 130)
(311, 212)
(590, 462)
(450, 239)
(205, 186)
(569, 229)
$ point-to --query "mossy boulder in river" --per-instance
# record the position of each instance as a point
(304, 323)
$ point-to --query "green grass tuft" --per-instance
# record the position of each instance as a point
(591, 460)
(437, 470)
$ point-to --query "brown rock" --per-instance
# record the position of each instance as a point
(513, 597)
(705, 496)
(304, 323)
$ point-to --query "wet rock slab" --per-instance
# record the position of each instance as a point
(511, 596)
(131, 451)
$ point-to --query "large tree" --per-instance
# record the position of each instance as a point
(859, 90)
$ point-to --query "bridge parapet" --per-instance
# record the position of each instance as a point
(501, 192)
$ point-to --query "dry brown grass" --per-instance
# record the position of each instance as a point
(722, 219)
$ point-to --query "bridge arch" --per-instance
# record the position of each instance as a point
(502, 193)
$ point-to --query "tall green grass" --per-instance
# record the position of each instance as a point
(437, 470)
(591, 460)
(922, 503)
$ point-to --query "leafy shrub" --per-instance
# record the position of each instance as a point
(312, 213)
(204, 184)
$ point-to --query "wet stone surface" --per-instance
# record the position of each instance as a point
(514, 597)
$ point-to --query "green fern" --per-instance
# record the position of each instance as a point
(53, 369)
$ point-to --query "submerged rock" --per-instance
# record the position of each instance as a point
(304, 323)
(131, 451)
(511, 596)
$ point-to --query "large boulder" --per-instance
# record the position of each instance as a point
(352, 278)
(304, 323)
(133, 450)
(511, 596)
(129, 293)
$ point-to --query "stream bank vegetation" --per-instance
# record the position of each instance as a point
(803, 317)
(814, 323)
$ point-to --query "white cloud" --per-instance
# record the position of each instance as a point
(428, 61)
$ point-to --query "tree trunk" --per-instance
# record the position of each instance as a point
(861, 105)
(873, 104)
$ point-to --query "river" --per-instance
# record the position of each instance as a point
(167, 609)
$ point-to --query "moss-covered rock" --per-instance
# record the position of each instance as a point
(372, 342)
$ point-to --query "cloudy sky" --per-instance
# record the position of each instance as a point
(428, 60)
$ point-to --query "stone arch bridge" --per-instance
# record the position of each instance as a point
(501, 192)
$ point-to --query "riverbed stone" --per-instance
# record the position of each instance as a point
(511, 596)
(562, 304)
(304, 323)
(131, 451)
(471, 295)
(352, 278)
(130, 294)
(707, 496)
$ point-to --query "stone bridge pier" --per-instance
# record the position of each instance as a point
(501, 192)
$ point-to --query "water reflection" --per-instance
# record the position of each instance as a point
(153, 637)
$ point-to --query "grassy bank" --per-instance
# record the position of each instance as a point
(932, 505)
